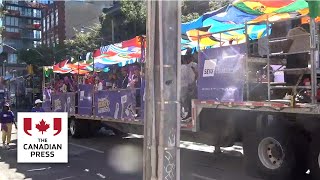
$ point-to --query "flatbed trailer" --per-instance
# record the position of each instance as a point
(281, 138)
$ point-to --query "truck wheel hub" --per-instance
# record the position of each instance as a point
(270, 153)
(319, 160)
(275, 151)
(72, 128)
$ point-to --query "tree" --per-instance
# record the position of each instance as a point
(133, 14)
(2, 13)
(42, 55)
(192, 10)
(84, 41)
(134, 10)
(128, 22)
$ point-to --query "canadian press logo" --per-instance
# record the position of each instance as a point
(42, 137)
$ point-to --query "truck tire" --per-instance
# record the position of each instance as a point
(272, 153)
(78, 128)
(314, 158)
(249, 150)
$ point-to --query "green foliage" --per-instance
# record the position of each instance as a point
(42, 55)
(131, 20)
(134, 10)
(128, 22)
(214, 5)
(2, 13)
(192, 10)
(189, 17)
(84, 42)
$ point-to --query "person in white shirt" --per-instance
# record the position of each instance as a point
(189, 74)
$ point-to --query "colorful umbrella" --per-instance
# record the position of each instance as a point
(258, 7)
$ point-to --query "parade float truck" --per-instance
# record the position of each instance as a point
(261, 92)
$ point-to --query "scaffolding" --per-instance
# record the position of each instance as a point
(293, 45)
(280, 58)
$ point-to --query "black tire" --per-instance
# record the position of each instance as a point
(249, 151)
(263, 161)
(301, 144)
(78, 128)
(314, 156)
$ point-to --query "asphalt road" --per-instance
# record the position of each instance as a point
(113, 158)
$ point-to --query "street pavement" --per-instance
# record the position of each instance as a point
(114, 158)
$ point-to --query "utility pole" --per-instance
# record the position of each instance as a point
(162, 116)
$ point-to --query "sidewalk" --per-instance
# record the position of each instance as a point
(7, 172)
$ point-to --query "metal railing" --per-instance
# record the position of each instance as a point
(270, 56)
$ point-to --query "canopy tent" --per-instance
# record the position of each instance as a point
(217, 28)
(259, 7)
(234, 17)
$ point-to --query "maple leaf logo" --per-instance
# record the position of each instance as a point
(42, 126)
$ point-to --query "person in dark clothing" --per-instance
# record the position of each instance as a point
(136, 80)
(6, 120)
(123, 80)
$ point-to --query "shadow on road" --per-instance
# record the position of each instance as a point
(106, 156)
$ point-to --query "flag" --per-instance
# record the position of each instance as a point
(62, 63)
(314, 8)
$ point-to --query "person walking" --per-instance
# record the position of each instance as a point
(38, 106)
(6, 120)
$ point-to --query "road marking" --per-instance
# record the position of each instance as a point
(66, 178)
(40, 169)
(202, 177)
(102, 176)
(89, 148)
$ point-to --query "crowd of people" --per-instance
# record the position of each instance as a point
(122, 78)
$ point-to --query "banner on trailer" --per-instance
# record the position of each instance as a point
(85, 99)
(59, 103)
(70, 102)
(46, 105)
(115, 104)
(222, 73)
(128, 104)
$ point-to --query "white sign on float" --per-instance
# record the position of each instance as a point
(42, 137)
(209, 67)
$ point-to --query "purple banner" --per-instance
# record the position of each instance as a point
(221, 73)
(70, 102)
(85, 99)
(46, 105)
(58, 103)
(115, 104)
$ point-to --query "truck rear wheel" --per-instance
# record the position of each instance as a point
(78, 128)
(315, 157)
(272, 153)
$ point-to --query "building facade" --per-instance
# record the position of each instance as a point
(53, 23)
(22, 30)
(62, 19)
